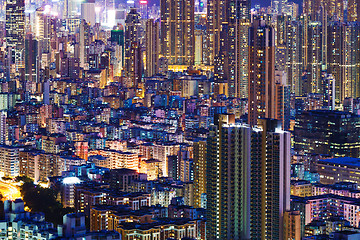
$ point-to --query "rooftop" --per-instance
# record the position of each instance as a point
(159, 223)
(329, 197)
(330, 112)
(345, 161)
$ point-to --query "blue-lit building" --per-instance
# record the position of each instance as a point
(327, 132)
(343, 169)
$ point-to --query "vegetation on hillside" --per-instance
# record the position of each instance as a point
(39, 199)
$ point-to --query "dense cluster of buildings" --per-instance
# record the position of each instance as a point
(183, 119)
(20, 224)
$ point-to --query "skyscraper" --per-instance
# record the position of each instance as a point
(38, 28)
(200, 163)
(227, 44)
(328, 85)
(280, 54)
(31, 59)
(117, 37)
(313, 57)
(15, 33)
(343, 47)
(335, 53)
(213, 28)
(282, 99)
(289, 36)
(200, 38)
(177, 31)
(134, 65)
(242, 58)
(270, 180)
(335, 9)
(152, 47)
(42, 30)
(248, 178)
(353, 8)
(70, 8)
(280, 7)
(88, 11)
(85, 39)
(132, 47)
(261, 72)
(228, 178)
(276, 6)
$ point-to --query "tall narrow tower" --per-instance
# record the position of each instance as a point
(228, 179)
(227, 44)
(132, 47)
(353, 11)
(270, 180)
(248, 179)
(15, 33)
(152, 47)
(177, 31)
(261, 72)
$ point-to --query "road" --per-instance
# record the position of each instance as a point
(9, 191)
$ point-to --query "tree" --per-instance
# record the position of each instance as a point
(39, 199)
(23, 178)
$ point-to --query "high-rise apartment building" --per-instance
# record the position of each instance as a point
(313, 54)
(270, 180)
(39, 23)
(200, 38)
(335, 9)
(29, 164)
(152, 47)
(248, 176)
(215, 19)
(177, 37)
(328, 90)
(15, 33)
(134, 64)
(227, 44)
(117, 37)
(132, 48)
(88, 12)
(3, 128)
(353, 8)
(292, 9)
(280, 52)
(228, 178)
(70, 8)
(282, 99)
(323, 45)
(284, 37)
(43, 30)
(331, 46)
(31, 59)
(9, 159)
(15, 23)
(343, 46)
(200, 163)
(293, 46)
(261, 72)
(85, 39)
(242, 55)
(70, 67)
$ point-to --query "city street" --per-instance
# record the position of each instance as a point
(9, 190)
